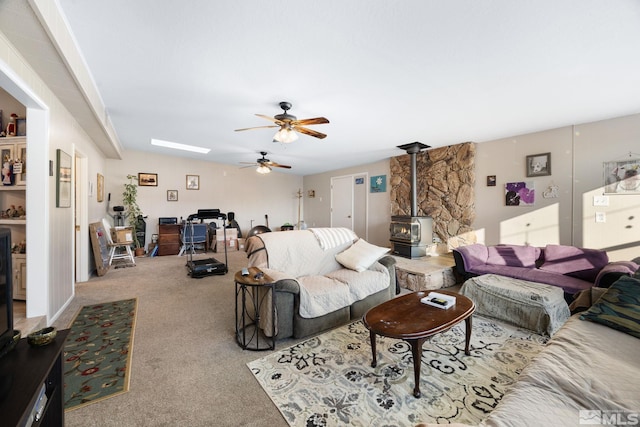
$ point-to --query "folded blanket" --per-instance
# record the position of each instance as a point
(332, 237)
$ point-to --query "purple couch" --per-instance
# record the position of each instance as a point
(569, 267)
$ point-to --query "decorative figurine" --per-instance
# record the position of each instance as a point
(11, 126)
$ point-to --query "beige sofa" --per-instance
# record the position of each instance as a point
(315, 292)
(587, 371)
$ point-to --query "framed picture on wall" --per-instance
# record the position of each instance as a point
(491, 180)
(193, 182)
(622, 177)
(539, 164)
(147, 179)
(100, 195)
(172, 195)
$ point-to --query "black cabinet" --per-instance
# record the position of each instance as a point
(22, 373)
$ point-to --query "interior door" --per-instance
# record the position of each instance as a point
(349, 203)
(342, 202)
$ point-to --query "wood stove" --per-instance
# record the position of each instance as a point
(411, 234)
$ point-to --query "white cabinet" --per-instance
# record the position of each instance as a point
(13, 200)
(19, 264)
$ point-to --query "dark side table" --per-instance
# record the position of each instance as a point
(253, 292)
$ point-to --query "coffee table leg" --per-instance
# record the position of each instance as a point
(416, 351)
(468, 323)
(372, 337)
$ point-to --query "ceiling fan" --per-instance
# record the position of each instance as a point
(289, 125)
(264, 164)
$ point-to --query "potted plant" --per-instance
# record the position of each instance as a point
(134, 213)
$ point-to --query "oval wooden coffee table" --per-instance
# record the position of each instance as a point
(406, 318)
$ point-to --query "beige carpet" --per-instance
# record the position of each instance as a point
(187, 369)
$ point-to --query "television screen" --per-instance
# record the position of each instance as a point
(6, 296)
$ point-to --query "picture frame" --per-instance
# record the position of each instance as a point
(520, 193)
(378, 184)
(172, 195)
(622, 176)
(100, 193)
(6, 154)
(147, 179)
(539, 165)
(63, 179)
(491, 180)
(21, 155)
(193, 182)
(21, 126)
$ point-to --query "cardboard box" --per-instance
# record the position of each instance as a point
(122, 234)
(232, 233)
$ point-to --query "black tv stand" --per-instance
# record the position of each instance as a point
(23, 370)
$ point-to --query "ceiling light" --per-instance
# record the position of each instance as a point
(263, 169)
(177, 146)
(285, 135)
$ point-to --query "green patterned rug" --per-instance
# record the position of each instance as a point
(328, 380)
(97, 353)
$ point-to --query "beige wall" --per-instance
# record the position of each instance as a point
(577, 156)
(229, 188)
(317, 210)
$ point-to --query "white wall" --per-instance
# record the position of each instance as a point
(229, 188)
(50, 230)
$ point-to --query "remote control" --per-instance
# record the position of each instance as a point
(259, 275)
(245, 272)
(438, 301)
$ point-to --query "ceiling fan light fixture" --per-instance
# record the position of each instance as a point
(285, 135)
(263, 169)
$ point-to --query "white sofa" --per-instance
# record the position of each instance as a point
(314, 292)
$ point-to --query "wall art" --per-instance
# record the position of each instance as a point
(622, 177)
(520, 193)
(147, 179)
(539, 164)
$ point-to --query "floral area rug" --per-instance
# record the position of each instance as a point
(97, 353)
(328, 380)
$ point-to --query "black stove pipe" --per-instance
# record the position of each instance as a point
(413, 149)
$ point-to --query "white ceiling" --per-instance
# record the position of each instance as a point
(384, 73)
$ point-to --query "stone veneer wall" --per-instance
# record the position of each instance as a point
(445, 179)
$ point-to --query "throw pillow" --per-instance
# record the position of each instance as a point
(581, 263)
(513, 255)
(361, 255)
(618, 307)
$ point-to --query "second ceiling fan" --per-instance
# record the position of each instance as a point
(264, 165)
(289, 125)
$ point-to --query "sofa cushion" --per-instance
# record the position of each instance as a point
(513, 255)
(618, 307)
(361, 255)
(613, 271)
(577, 262)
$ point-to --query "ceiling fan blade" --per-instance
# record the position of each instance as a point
(248, 166)
(309, 132)
(271, 119)
(248, 163)
(314, 121)
(276, 165)
(258, 127)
